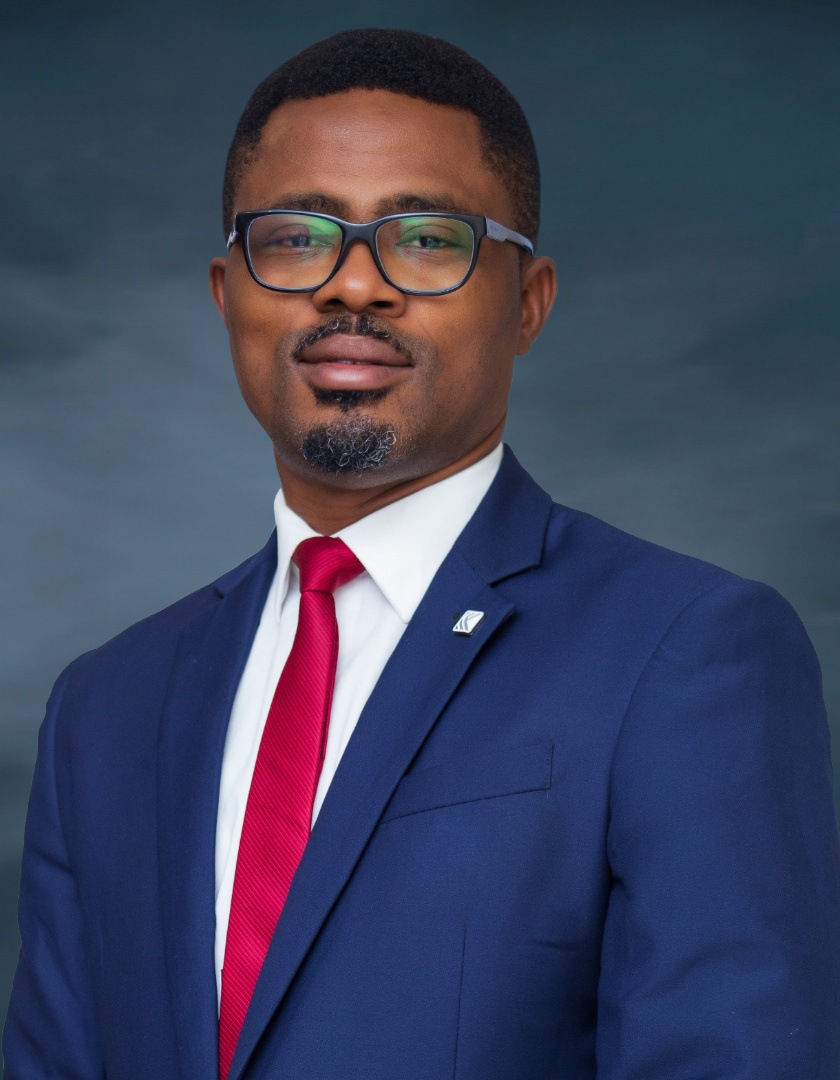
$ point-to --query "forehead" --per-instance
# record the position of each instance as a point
(363, 148)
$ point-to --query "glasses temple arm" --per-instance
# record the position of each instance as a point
(498, 232)
(231, 240)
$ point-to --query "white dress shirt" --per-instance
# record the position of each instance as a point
(401, 547)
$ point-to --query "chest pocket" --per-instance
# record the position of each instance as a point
(488, 776)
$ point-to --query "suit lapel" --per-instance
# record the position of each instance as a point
(504, 537)
(211, 655)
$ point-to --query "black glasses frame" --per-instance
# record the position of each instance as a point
(350, 231)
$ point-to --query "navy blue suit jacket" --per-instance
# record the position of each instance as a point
(595, 839)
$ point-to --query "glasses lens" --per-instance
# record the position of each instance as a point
(293, 251)
(426, 253)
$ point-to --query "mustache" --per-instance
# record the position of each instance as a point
(358, 325)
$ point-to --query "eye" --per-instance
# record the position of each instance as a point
(431, 239)
(427, 239)
(297, 238)
(290, 239)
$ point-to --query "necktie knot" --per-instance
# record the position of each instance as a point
(325, 563)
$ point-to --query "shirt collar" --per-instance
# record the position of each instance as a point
(402, 545)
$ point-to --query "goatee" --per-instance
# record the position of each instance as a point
(348, 446)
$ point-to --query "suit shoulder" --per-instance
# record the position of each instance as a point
(614, 560)
(157, 635)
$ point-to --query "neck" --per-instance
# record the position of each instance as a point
(329, 509)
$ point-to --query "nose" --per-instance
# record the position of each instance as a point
(358, 286)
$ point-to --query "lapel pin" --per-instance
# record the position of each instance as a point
(468, 623)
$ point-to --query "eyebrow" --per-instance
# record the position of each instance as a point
(420, 203)
(403, 203)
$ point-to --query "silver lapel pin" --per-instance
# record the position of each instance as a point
(468, 623)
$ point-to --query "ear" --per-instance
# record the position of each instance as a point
(217, 283)
(539, 288)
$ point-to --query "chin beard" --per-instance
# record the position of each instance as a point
(347, 399)
(348, 446)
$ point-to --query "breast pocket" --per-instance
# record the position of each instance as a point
(487, 776)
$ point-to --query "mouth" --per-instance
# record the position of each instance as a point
(352, 362)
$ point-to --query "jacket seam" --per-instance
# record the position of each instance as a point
(630, 697)
(53, 778)
(460, 1002)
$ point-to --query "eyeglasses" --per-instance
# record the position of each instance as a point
(420, 254)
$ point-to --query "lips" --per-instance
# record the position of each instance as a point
(347, 349)
(353, 362)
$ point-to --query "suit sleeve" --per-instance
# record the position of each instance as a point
(721, 950)
(51, 1027)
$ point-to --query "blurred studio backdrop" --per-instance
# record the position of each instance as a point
(685, 388)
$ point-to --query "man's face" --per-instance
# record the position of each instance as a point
(407, 384)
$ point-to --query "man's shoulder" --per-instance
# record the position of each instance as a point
(597, 575)
(625, 571)
(587, 541)
(579, 559)
(151, 642)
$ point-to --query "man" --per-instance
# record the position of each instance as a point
(569, 793)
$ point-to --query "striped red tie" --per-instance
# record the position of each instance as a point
(279, 811)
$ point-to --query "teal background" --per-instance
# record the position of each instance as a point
(685, 388)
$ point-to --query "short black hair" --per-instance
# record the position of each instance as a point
(404, 62)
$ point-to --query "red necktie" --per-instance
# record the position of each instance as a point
(279, 811)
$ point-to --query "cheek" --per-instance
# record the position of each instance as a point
(252, 319)
(479, 330)
(262, 327)
(492, 297)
